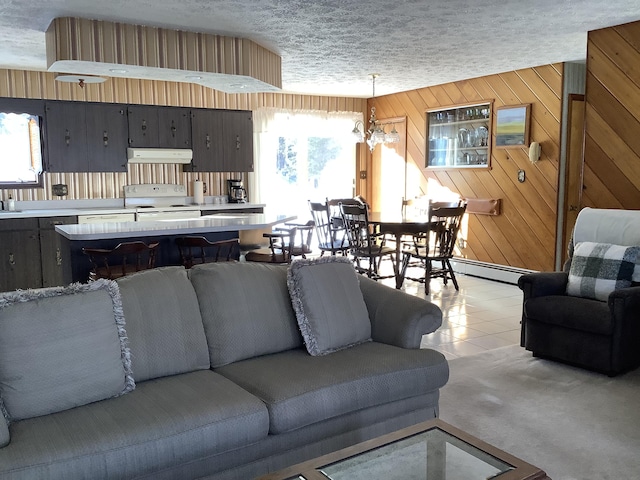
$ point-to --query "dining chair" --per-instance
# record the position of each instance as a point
(365, 245)
(122, 260)
(436, 245)
(285, 243)
(331, 236)
(195, 250)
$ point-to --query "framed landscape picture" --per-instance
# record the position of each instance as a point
(512, 125)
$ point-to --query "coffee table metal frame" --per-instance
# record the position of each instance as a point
(309, 470)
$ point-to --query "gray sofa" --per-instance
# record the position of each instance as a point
(224, 386)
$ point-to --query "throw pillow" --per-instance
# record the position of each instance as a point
(62, 347)
(597, 269)
(330, 309)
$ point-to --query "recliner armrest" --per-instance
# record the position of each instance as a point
(398, 318)
(542, 284)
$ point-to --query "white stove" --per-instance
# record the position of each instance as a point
(159, 201)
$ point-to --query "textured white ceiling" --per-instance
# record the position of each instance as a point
(328, 47)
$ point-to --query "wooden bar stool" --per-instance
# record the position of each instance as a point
(126, 258)
(196, 250)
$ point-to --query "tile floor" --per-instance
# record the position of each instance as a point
(482, 315)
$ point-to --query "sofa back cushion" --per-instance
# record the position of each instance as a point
(164, 325)
(61, 348)
(245, 309)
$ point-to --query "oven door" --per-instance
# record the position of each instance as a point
(166, 215)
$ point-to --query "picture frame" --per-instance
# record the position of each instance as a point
(512, 126)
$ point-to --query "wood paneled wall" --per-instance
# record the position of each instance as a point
(30, 84)
(612, 118)
(524, 234)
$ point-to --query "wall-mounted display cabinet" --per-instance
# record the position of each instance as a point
(459, 137)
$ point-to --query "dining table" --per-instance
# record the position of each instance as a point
(400, 224)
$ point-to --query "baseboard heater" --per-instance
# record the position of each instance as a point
(491, 271)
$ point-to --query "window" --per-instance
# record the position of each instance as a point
(20, 144)
(304, 156)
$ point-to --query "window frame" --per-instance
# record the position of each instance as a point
(34, 107)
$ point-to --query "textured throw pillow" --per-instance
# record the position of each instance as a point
(61, 348)
(597, 269)
(164, 325)
(329, 305)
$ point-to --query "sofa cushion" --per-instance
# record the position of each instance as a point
(163, 422)
(4, 432)
(62, 347)
(300, 389)
(164, 326)
(246, 310)
(597, 269)
(583, 314)
(329, 305)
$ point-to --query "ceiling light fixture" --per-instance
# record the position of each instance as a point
(81, 80)
(375, 134)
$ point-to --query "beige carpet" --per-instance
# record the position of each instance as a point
(574, 424)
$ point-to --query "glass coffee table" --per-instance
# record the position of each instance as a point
(432, 450)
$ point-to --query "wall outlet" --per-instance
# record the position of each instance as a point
(60, 189)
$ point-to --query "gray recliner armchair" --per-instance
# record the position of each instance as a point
(603, 336)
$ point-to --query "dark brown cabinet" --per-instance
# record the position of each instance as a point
(86, 137)
(222, 141)
(20, 261)
(159, 127)
(56, 268)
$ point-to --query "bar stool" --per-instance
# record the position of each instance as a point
(195, 250)
(126, 258)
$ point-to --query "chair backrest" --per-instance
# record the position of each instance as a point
(447, 221)
(299, 243)
(196, 250)
(604, 225)
(444, 204)
(126, 258)
(358, 229)
(321, 216)
(335, 214)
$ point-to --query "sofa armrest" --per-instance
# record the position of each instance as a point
(543, 284)
(398, 318)
(624, 305)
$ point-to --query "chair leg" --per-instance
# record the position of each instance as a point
(427, 277)
(445, 277)
(453, 275)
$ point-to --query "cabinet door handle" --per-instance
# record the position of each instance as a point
(173, 128)
(12, 260)
(105, 138)
(67, 137)
(144, 125)
(208, 142)
(58, 257)
(237, 142)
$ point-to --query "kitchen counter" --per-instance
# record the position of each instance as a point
(222, 222)
(29, 212)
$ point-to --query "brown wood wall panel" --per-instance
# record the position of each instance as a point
(612, 119)
(524, 234)
(27, 84)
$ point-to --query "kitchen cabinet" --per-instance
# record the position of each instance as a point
(155, 126)
(56, 267)
(86, 137)
(222, 141)
(20, 260)
(459, 137)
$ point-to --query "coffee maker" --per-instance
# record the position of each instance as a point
(237, 193)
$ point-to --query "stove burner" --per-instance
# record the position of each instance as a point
(178, 205)
(145, 206)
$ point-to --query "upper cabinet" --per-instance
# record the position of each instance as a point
(222, 141)
(86, 137)
(159, 127)
(459, 137)
(93, 137)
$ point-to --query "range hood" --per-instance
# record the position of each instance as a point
(159, 155)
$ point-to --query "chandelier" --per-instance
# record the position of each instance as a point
(375, 134)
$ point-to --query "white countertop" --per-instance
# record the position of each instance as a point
(205, 224)
(63, 212)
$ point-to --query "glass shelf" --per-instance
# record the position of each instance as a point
(459, 137)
